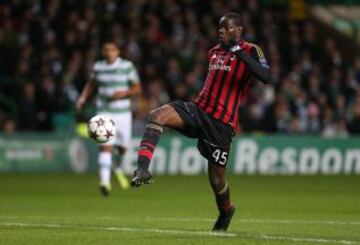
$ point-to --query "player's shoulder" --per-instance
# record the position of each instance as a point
(99, 65)
(119, 63)
(249, 45)
(125, 63)
(216, 47)
(255, 49)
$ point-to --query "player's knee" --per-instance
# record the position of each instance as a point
(106, 148)
(158, 115)
(154, 115)
(217, 183)
(121, 149)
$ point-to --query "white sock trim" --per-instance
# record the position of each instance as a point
(224, 189)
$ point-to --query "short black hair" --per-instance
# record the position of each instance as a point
(110, 41)
(237, 18)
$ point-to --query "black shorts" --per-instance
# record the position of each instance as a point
(214, 136)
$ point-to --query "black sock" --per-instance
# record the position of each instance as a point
(223, 199)
(148, 144)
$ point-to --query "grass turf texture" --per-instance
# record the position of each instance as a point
(67, 209)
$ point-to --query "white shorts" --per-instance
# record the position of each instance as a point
(123, 128)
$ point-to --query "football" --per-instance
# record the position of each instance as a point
(101, 129)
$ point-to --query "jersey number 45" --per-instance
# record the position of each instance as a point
(220, 157)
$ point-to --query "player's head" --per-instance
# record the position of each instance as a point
(230, 28)
(110, 51)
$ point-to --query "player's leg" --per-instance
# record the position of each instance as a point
(121, 150)
(165, 116)
(105, 161)
(117, 168)
(222, 195)
(122, 142)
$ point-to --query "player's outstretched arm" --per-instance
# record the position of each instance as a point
(260, 70)
(85, 94)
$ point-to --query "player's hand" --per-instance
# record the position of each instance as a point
(119, 95)
(80, 103)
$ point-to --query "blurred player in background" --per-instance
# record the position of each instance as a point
(213, 116)
(116, 80)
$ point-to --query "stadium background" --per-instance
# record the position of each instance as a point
(297, 142)
(47, 49)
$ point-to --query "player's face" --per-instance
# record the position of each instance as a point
(110, 52)
(228, 31)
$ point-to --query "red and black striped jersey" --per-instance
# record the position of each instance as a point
(227, 82)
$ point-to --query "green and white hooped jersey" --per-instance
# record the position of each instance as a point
(110, 78)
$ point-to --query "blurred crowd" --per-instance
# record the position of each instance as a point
(47, 49)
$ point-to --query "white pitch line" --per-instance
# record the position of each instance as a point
(270, 221)
(33, 225)
(183, 232)
(179, 232)
(123, 229)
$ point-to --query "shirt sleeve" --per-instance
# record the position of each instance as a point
(256, 63)
(133, 75)
(258, 55)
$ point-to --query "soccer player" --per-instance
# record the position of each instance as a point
(213, 116)
(116, 80)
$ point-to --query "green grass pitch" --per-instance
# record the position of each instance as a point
(67, 209)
